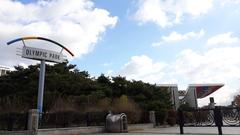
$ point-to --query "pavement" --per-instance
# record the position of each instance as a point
(176, 131)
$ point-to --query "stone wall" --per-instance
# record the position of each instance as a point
(71, 131)
(75, 130)
(14, 132)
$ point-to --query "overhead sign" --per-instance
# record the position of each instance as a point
(42, 54)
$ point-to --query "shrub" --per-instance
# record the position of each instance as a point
(12, 104)
(161, 116)
(104, 104)
(172, 116)
(188, 117)
(128, 106)
(63, 104)
(171, 121)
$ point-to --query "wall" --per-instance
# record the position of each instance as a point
(14, 132)
(71, 131)
(75, 130)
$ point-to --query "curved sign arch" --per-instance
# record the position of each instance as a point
(40, 38)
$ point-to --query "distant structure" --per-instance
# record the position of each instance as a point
(3, 70)
(173, 88)
(190, 96)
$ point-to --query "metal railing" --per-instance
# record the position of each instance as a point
(218, 117)
(18, 120)
(71, 119)
(13, 121)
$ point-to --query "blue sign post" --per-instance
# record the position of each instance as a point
(41, 87)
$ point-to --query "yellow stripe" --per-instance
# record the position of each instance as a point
(29, 38)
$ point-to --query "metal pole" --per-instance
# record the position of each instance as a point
(219, 130)
(41, 87)
(181, 121)
(218, 119)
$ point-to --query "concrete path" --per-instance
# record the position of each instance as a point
(175, 131)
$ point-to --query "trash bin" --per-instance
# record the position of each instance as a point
(116, 123)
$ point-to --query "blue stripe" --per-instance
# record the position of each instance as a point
(15, 40)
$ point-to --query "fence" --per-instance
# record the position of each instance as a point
(19, 121)
(218, 117)
(71, 119)
(13, 121)
(77, 119)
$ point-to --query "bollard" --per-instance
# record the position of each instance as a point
(152, 118)
(33, 121)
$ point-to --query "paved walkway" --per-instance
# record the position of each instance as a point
(175, 131)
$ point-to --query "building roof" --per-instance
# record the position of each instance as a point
(167, 85)
(203, 90)
(4, 67)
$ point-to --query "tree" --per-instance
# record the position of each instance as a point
(102, 79)
(65, 80)
(119, 86)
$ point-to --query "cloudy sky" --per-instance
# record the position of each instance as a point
(157, 41)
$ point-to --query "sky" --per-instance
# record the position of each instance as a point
(157, 41)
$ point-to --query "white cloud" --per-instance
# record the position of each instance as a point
(225, 2)
(222, 39)
(110, 72)
(106, 64)
(140, 67)
(219, 65)
(152, 11)
(76, 24)
(169, 12)
(175, 37)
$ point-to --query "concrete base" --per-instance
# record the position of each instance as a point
(75, 130)
(58, 131)
(70, 131)
(137, 127)
(14, 132)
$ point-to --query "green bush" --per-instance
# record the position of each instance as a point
(188, 116)
(172, 116)
(161, 116)
(129, 107)
(171, 121)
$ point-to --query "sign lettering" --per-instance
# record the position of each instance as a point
(41, 54)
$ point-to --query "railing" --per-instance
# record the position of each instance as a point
(18, 120)
(217, 117)
(71, 119)
(13, 121)
(231, 116)
(198, 117)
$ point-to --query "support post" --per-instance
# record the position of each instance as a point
(181, 121)
(152, 118)
(219, 130)
(218, 119)
(41, 87)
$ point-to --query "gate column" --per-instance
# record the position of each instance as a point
(33, 121)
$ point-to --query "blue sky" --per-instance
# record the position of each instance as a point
(157, 41)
